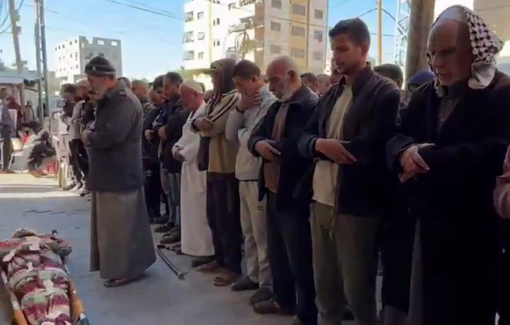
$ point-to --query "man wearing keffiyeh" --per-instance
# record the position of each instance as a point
(448, 151)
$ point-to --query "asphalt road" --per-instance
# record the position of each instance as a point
(159, 299)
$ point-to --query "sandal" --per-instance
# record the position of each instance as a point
(225, 279)
(211, 267)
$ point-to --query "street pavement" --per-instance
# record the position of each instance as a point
(160, 298)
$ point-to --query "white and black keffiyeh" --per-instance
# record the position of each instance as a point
(486, 45)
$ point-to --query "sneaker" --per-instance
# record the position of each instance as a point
(84, 192)
(244, 284)
(262, 294)
(271, 307)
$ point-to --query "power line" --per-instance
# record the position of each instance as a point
(162, 13)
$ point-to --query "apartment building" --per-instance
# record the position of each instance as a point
(72, 55)
(259, 30)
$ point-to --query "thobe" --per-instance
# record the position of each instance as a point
(196, 237)
(121, 238)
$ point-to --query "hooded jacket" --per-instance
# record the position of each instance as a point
(216, 153)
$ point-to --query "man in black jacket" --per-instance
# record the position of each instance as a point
(448, 152)
(169, 133)
(289, 245)
(346, 136)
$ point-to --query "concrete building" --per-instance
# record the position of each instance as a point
(264, 29)
(403, 15)
(496, 13)
(72, 55)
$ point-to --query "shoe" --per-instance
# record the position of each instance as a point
(262, 294)
(77, 187)
(69, 187)
(172, 239)
(199, 261)
(298, 321)
(225, 279)
(271, 307)
(160, 221)
(244, 284)
(84, 192)
(164, 228)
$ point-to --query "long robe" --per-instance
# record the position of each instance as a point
(121, 238)
(196, 237)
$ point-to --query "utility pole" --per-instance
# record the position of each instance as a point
(422, 16)
(42, 25)
(16, 30)
(37, 33)
(379, 32)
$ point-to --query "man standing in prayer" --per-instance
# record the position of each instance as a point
(217, 156)
(151, 168)
(311, 81)
(347, 136)
(448, 152)
(256, 100)
(196, 236)
(6, 130)
(288, 227)
(324, 84)
(121, 240)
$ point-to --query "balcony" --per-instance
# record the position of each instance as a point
(250, 8)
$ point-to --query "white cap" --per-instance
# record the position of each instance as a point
(192, 84)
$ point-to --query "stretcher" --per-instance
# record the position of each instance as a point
(77, 310)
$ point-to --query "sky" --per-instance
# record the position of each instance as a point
(152, 43)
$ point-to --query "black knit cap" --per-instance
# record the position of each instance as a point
(99, 67)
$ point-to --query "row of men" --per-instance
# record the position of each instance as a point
(310, 180)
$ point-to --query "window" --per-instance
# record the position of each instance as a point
(187, 37)
(319, 14)
(297, 53)
(318, 35)
(114, 43)
(275, 49)
(100, 42)
(71, 55)
(317, 55)
(298, 10)
(189, 55)
(200, 36)
(200, 55)
(276, 4)
(231, 6)
(277, 27)
(216, 22)
(76, 41)
(298, 31)
(77, 66)
(189, 16)
(200, 15)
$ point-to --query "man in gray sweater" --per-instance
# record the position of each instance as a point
(256, 99)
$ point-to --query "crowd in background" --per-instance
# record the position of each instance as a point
(311, 178)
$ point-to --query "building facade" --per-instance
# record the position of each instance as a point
(258, 30)
(72, 55)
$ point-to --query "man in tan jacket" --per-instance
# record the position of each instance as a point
(217, 156)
